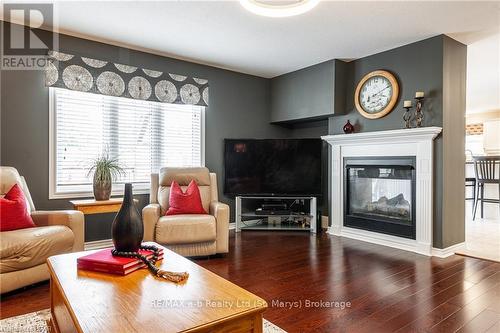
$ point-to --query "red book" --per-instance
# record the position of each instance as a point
(105, 259)
(112, 269)
(108, 270)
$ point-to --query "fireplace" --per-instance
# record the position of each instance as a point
(395, 154)
(380, 194)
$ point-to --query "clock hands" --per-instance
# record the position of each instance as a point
(380, 91)
(377, 93)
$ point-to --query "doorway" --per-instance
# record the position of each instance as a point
(482, 133)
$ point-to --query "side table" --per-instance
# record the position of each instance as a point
(92, 206)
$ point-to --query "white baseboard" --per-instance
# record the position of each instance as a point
(100, 244)
(446, 252)
(385, 240)
(396, 242)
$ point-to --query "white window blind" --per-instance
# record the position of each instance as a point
(144, 136)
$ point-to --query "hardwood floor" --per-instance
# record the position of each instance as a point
(377, 289)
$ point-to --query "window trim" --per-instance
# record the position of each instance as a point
(117, 188)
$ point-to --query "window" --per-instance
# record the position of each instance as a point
(144, 136)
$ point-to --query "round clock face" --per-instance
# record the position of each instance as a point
(375, 94)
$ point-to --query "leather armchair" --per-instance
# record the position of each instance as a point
(23, 252)
(189, 234)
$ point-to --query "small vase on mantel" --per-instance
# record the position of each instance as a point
(127, 229)
(348, 128)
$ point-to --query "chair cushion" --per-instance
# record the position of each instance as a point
(25, 248)
(182, 229)
(188, 202)
(14, 211)
(183, 176)
(8, 177)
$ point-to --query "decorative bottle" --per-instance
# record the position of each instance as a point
(348, 128)
(127, 230)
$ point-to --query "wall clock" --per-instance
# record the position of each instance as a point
(376, 94)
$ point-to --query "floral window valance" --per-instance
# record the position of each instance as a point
(107, 78)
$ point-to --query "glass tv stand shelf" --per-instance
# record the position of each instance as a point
(300, 213)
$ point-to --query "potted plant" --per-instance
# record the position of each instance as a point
(105, 170)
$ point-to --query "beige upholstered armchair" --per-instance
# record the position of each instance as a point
(189, 234)
(23, 252)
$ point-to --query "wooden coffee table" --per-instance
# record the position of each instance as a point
(84, 301)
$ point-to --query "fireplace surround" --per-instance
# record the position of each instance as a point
(402, 157)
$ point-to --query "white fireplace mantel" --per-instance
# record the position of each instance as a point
(417, 142)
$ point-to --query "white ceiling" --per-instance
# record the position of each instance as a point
(223, 34)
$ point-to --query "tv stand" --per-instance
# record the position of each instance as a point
(300, 215)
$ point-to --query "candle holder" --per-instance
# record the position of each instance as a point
(407, 116)
(414, 119)
(419, 113)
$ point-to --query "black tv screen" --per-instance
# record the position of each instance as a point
(272, 167)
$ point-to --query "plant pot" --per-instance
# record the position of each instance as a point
(127, 229)
(102, 190)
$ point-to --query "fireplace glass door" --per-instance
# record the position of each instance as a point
(380, 195)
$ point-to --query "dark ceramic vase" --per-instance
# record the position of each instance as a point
(127, 229)
(348, 128)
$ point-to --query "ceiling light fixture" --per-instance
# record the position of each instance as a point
(278, 8)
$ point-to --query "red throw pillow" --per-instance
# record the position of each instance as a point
(188, 202)
(14, 211)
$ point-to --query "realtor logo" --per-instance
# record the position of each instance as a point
(24, 47)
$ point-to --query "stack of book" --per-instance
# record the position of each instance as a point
(104, 261)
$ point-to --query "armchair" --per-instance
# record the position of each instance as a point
(23, 252)
(187, 234)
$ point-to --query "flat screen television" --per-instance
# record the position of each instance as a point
(272, 167)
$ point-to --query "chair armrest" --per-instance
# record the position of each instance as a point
(150, 215)
(72, 219)
(221, 213)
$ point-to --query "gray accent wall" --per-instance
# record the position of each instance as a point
(417, 67)
(437, 67)
(304, 94)
(307, 103)
(239, 107)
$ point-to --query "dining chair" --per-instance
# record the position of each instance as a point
(471, 182)
(487, 171)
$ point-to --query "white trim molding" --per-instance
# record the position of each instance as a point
(417, 142)
(446, 252)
